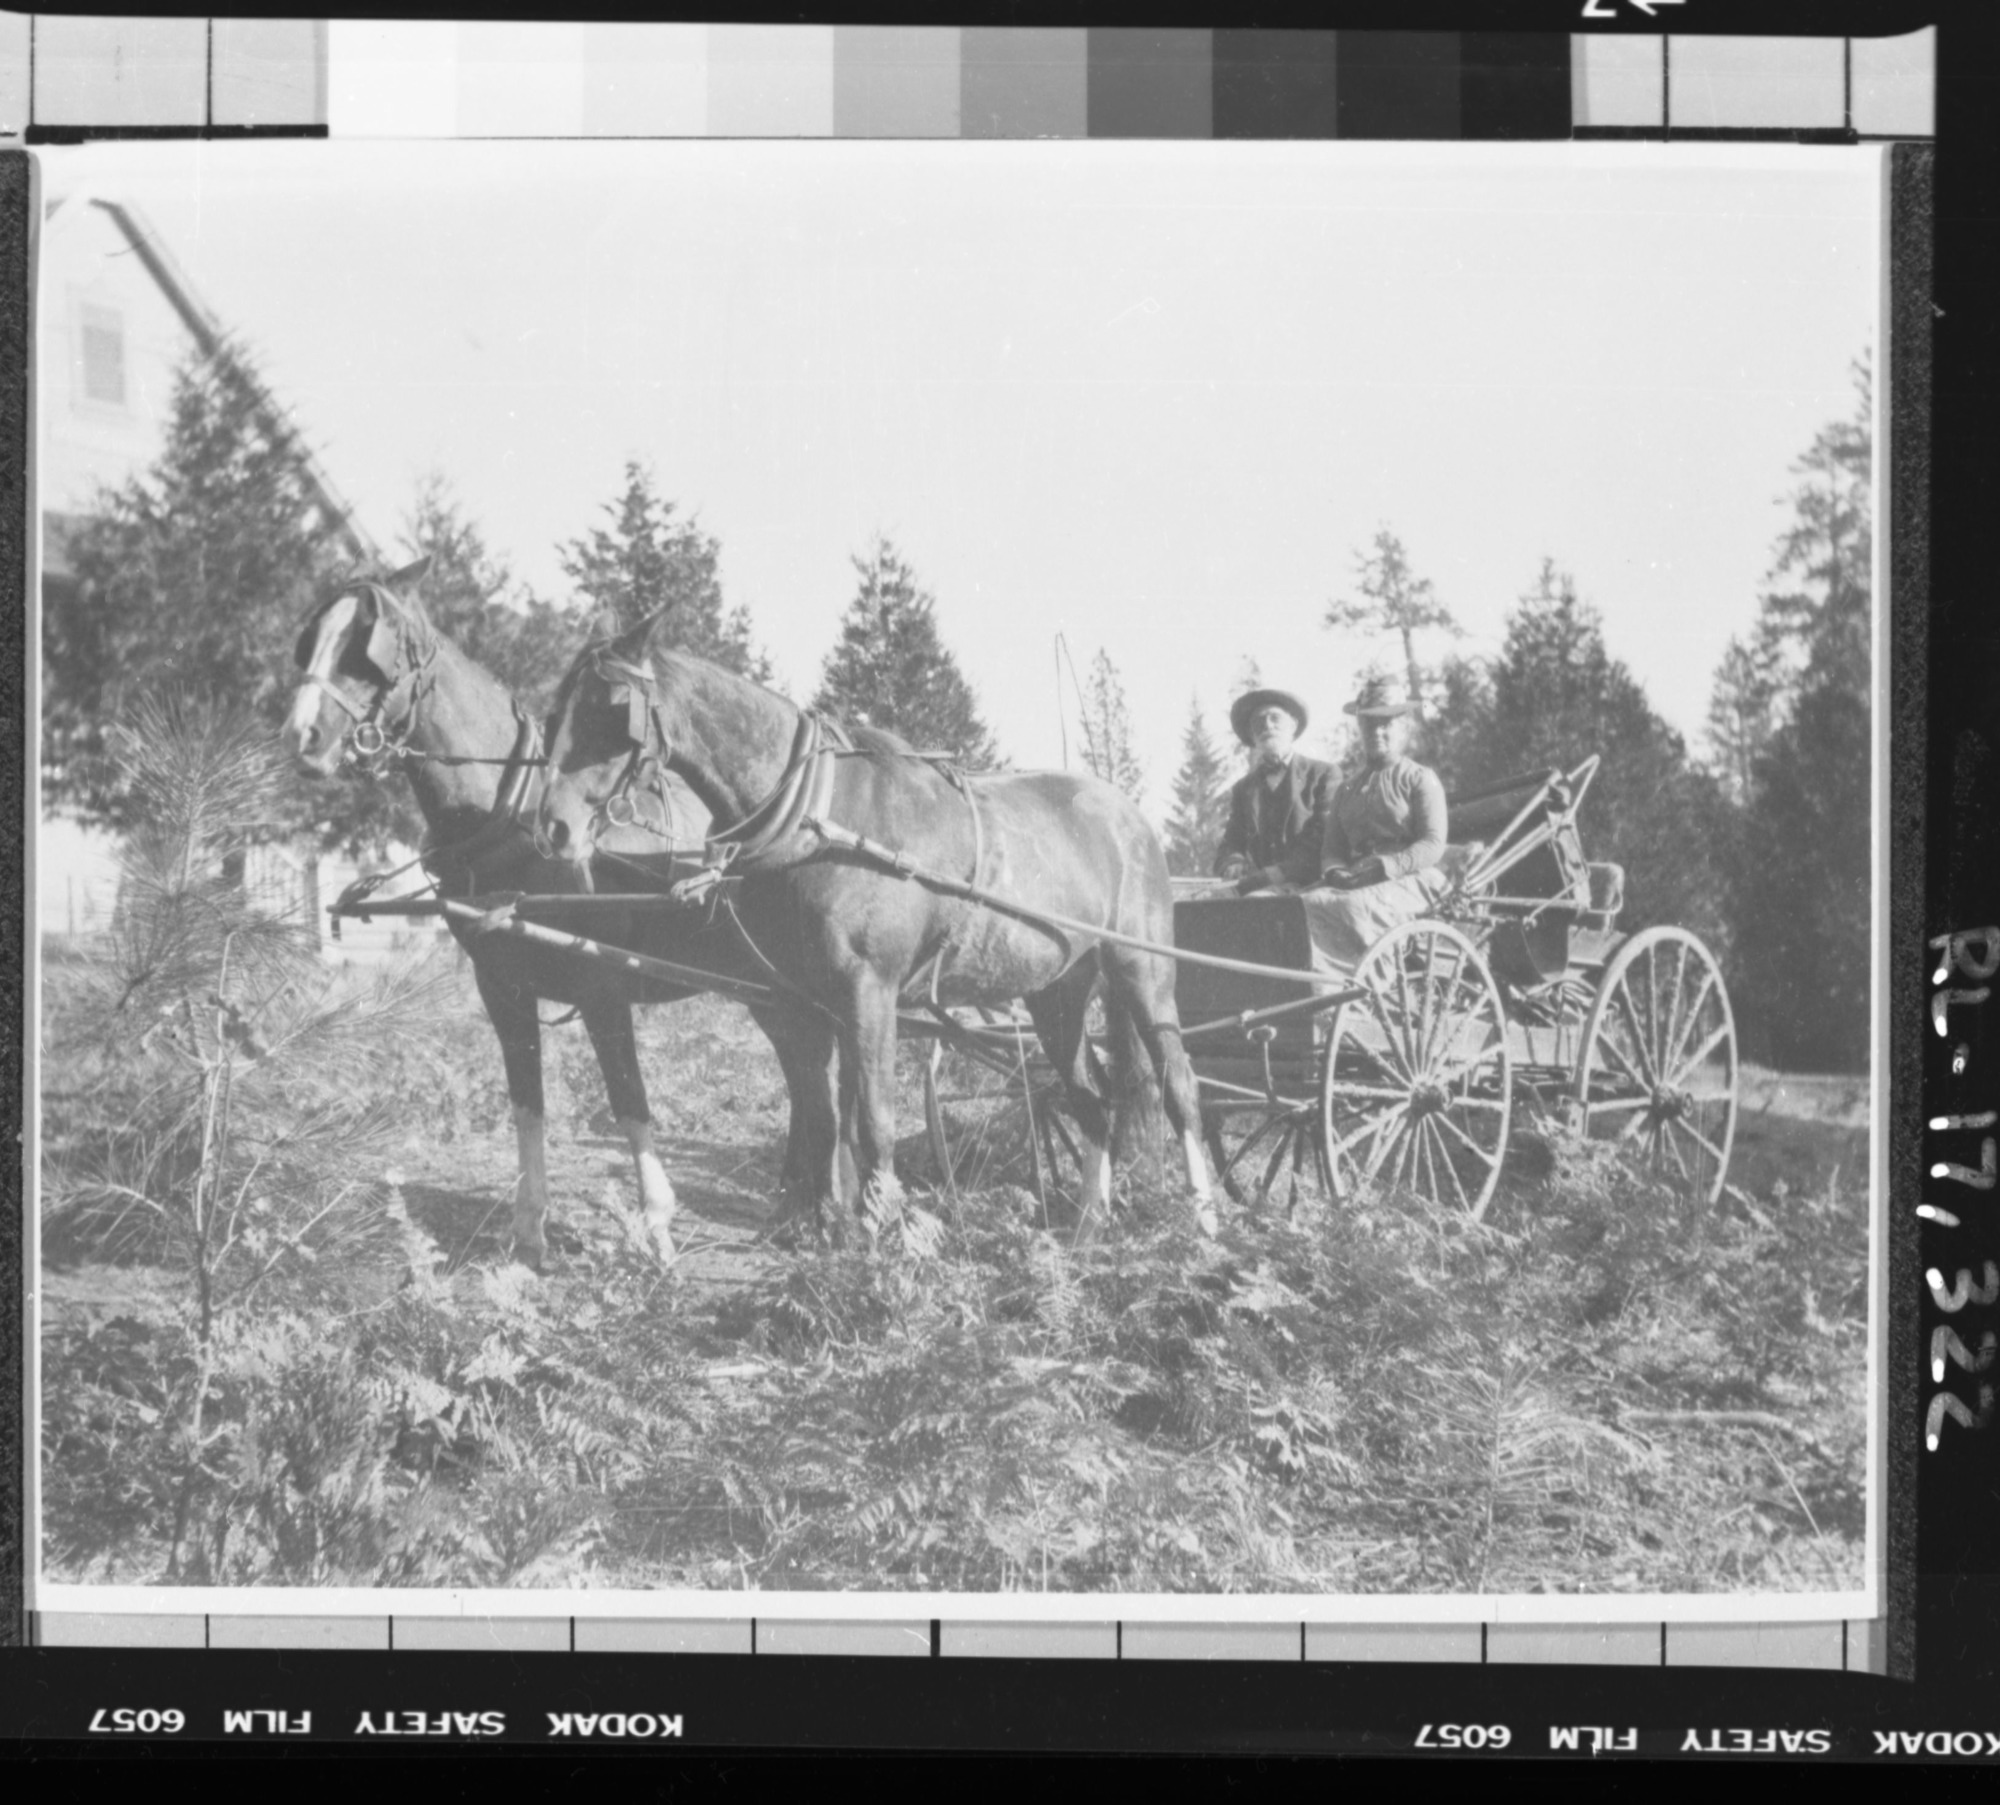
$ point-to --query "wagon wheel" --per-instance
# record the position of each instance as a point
(1418, 1078)
(995, 1115)
(1658, 1069)
(1264, 1150)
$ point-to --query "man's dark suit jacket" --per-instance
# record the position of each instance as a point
(1281, 827)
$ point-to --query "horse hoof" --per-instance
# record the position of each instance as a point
(1208, 1222)
(529, 1256)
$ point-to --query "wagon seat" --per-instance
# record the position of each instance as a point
(1519, 875)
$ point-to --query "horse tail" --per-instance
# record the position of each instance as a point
(1136, 1111)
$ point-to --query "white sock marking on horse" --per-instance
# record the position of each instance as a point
(1204, 1195)
(531, 1192)
(1197, 1164)
(1096, 1183)
(656, 1194)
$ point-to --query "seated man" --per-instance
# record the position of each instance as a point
(1385, 833)
(1276, 813)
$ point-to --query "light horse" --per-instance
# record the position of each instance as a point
(382, 685)
(854, 934)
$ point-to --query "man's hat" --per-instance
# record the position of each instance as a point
(1257, 700)
(1378, 699)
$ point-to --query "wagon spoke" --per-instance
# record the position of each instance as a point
(1426, 1023)
(1459, 1020)
(1611, 1046)
(1671, 1026)
(1715, 1152)
(1700, 1055)
(1386, 1067)
(1423, 1154)
(1369, 1090)
(1492, 1050)
(1694, 1016)
(1417, 1016)
(1489, 1160)
(1403, 985)
(1447, 1009)
(1406, 1160)
(1451, 1170)
(1372, 1126)
(1386, 1141)
(1625, 1002)
(1651, 1051)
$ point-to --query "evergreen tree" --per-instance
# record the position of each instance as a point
(1556, 697)
(1741, 712)
(1800, 872)
(1812, 622)
(889, 669)
(470, 594)
(1394, 599)
(649, 558)
(1107, 730)
(1201, 801)
(192, 577)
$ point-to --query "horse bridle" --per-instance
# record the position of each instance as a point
(366, 740)
(762, 827)
(651, 745)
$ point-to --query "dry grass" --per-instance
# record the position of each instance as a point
(1602, 1390)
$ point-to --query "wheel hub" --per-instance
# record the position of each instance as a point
(1428, 1099)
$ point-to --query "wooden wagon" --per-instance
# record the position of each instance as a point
(1516, 992)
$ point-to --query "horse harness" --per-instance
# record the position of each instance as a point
(798, 802)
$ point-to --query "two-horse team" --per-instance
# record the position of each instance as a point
(842, 875)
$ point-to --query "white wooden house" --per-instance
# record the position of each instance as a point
(117, 317)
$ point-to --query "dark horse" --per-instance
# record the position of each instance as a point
(853, 935)
(381, 683)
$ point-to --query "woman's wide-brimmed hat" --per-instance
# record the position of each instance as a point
(1378, 699)
(1256, 702)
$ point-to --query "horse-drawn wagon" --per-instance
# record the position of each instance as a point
(1405, 1071)
(1517, 992)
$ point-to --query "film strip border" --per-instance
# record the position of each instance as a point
(65, 77)
(1857, 1647)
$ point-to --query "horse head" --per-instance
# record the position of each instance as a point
(358, 649)
(610, 718)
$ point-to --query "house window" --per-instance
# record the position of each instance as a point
(103, 333)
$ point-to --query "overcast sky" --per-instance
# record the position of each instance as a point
(1150, 396)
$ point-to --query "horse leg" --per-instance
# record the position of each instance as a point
(1061, 1017)
(608, 1021)
(868, 1090)
(784, 1039)
(813, 1166)
(515, 1020)
(1141, 991)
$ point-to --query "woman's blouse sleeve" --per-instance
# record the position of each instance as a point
(1427, 826)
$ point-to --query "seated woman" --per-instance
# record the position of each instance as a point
(1385, 833)
(1277, 811)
